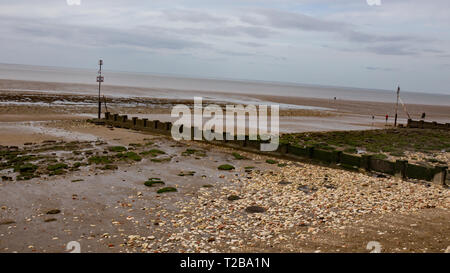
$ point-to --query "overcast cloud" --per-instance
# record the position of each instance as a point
(327, 42)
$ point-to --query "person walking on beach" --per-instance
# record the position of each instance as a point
(387, 117)
(423, 115)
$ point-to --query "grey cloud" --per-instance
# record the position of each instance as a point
(100, 36)
(357, 36)
(193, 16)
(392, 50)
(376, 68)
(380, 44)
(238, 54)
(251, 44)
(228, 31)
(283, 19)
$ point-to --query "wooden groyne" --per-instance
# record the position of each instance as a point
(427, 125)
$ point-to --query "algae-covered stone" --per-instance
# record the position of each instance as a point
(167, 189)
(237, 156)
(117, 149)
(271, 161)
(226, 167)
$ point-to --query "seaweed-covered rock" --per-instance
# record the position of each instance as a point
(153, 181)
(226, 167)
(271, 161)
(167, 189)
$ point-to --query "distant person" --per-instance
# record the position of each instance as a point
(423, 115)
(387, 117)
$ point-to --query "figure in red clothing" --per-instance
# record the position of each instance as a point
(387, 117)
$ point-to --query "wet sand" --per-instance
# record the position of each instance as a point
(20, 98)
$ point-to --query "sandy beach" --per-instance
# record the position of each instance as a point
(86, 183)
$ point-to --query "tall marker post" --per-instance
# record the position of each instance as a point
(100, 79)
(396, 106)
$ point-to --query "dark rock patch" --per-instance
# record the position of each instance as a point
(255, 209)
(53, 211)
(233, 198)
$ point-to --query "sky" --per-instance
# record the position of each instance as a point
(326, 42)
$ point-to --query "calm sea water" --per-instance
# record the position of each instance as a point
(85, 76)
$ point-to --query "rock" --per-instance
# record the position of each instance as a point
(283, 182)
(255, 209)
(53, 211)
(330, 186)
(50, 220)
(307, 189)
(233, 198)
(7, 222)
(226, 167)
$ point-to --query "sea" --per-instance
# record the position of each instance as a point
(147, 80)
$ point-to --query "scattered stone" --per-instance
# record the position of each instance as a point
(283, 182)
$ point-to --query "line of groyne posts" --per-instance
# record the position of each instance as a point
(399, 168)
(427, 124)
